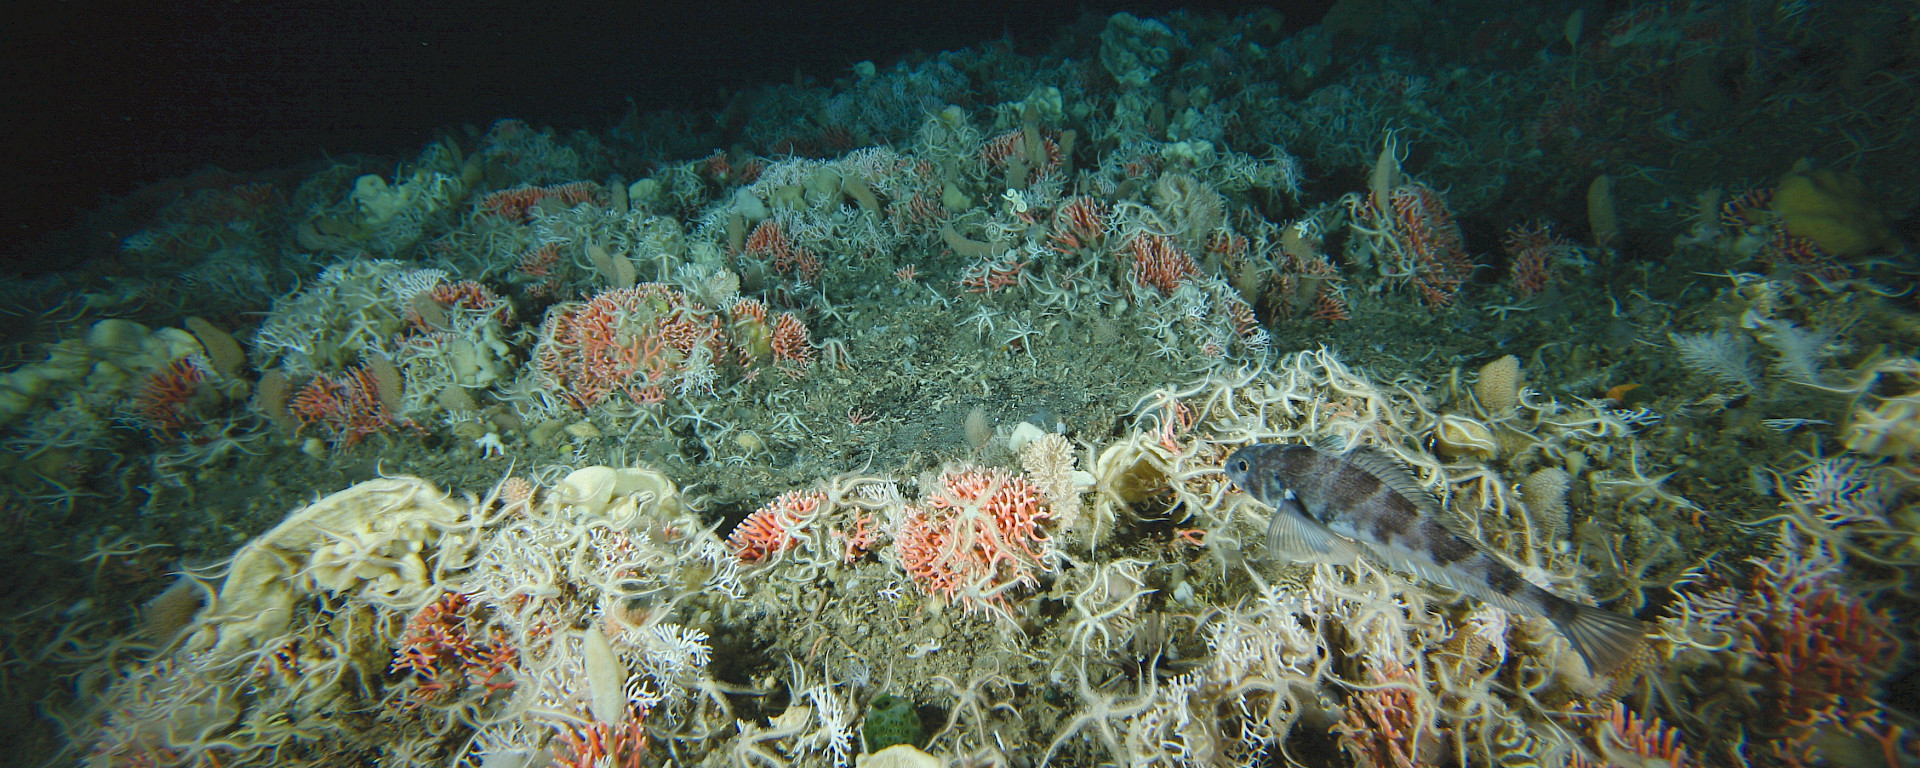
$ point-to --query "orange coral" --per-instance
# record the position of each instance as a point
(1427, 226)
(1534, 247)
(632, 340)
(605, 745)
(1627, 739)
(166, 398)
(1386, 723)
(439, 649)
(1080, 222)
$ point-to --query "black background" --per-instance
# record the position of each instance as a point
(107, 96)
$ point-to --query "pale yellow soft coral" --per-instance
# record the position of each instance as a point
(1890, 428)
(383, 562)
(1049, 462)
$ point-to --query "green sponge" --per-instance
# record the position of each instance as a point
(890, 720)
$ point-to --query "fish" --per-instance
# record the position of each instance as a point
(1334, 506)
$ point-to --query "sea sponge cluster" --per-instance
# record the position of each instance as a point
(1458, 437)
(104, 363)
(395, 596)
(1134, 50)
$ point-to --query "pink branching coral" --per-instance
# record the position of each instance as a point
(1080, 223)
(1534, 248)
(862, 539)
(1387, 725)
(792, 346)
(1160, 264)
(630, 340)
(769, 241)
(1627, 739)
(513, 204)
(604, 745)
(348, 407)
(468, 296)
(1825, 652)
(978, 535)
(992, 273)
(1441, 260)
(1423, 242)
(1305, 276)
(166, 402)
(1000, 150)
(539, 262)
(651, 341)
(771, 529)
(1811, 654)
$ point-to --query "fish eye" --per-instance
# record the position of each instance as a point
(1239, 465)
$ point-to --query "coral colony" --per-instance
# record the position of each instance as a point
(895, 433)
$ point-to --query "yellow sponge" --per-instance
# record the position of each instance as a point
(1833, 210)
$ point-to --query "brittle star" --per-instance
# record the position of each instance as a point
(1503, 309)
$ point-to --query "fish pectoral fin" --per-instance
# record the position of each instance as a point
(1458, 526)
(1295, 538)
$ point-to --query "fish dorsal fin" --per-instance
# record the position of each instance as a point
(1395, 476)
(1400, 479)
(1291, 536)
(1330, 444)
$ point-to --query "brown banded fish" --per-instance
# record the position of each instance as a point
(1331, 506)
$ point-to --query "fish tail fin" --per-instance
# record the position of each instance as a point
(1608, 641)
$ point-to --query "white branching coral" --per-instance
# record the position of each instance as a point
(354, 309)
(835, 734)
(1841, 492)
(1798, 352)
(665, 658)
(1724, 356)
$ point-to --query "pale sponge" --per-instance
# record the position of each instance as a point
(617, 494)
(1049, 461)
(372, 540)
(108, 363)
(1499, 385)
(1891, 428)
(1545, 494)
